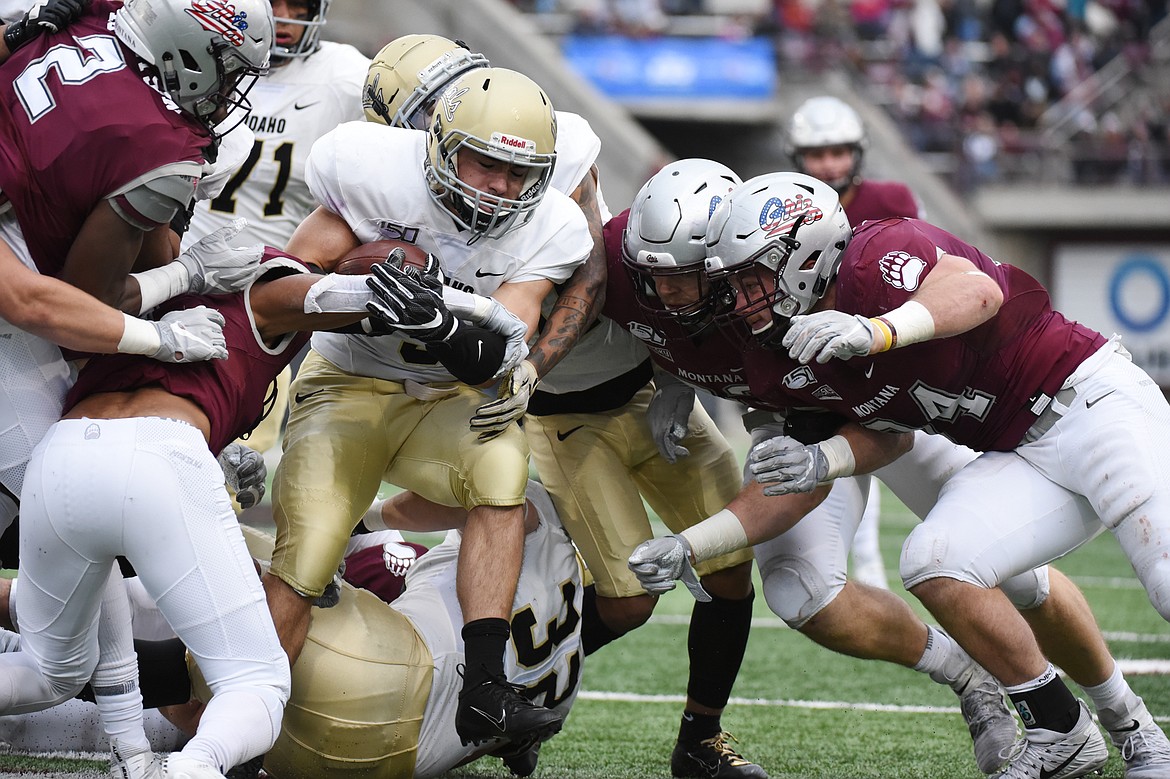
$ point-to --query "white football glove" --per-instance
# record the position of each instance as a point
(398, 557)
(659, 562)
(670, 408)
(216, 267)
(191, 335)
(516, 389)
(245, 471)
(829, 334)
(787, 465)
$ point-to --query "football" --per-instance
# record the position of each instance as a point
(359, 259)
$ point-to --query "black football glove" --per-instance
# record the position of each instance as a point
(45, 15)
(406, 304)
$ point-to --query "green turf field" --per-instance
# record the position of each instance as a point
(799, 710)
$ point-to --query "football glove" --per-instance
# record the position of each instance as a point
(659, 562)
(787, 465)
(829, 334)
(516, 389)
(191, 335)
(670, 408)
(214, 267)
(245, 472)
(44, 16)
(406, 304)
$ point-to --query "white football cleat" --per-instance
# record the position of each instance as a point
(180, 766)
(989, 720)
(1047, 754)
(129, 763)
(1144, 747)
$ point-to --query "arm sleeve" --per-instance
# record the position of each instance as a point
(472, 354)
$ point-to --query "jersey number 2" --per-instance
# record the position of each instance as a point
(96, 54)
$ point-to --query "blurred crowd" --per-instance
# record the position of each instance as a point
(986, 90)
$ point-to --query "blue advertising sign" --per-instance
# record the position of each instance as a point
(641, 69)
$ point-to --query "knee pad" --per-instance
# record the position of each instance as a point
(1028, 590)
(928, 555)
(796, 591)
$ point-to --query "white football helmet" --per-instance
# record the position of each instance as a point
(826, 121)
(311, 40)
(407, 75)
(501, 114)
(666, 227)
(208, 53)
(788, 226)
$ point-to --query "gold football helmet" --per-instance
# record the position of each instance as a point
(407, 75)
(503, 115)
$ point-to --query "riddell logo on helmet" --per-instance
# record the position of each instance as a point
(221, 17)
(513, 142)
(777, 216)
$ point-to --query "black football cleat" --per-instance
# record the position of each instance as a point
(712, 758)
(495, 708)
(520, 760)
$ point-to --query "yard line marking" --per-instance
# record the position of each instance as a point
(629, 697)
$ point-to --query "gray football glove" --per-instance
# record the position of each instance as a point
(191, 335)
(216, 267)
(659, 562)
(245, 471)
(828, 334)
(787, 465)
(516, 390)
(670, 408)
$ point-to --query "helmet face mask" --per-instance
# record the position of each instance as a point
(311, 39)
(505, 117)
(664, 240)
(778, 238)
(406, 77)
(208, 53)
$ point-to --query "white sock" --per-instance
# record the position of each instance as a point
(1115, 701)
(944, 660)
(115, 679)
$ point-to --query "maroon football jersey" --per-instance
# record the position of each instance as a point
(709, 360)
(881, 200)
(78, 123)
(975, 388)
(231, 392)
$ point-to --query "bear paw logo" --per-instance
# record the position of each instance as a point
(902, 270)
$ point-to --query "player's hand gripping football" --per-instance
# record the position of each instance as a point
(829, 334)
(214, 266)
(410, 304)
(670, 408)
(43, 16)
(516, 389)
(245, 472)
(191, 335)
(786, 465)
(660, 562)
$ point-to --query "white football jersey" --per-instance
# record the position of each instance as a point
(577, 149)
(544, 654)
(292, 106)
(372, 176)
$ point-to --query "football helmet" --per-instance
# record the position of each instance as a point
(786, 226)
(208, 53)
(503, 115)
(407, 75)
(665, 230)
(826, 121)
(311, 40)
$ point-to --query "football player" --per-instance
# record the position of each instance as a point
(826, 139)
(85, 187)
(988, 363)
(311, 87)
(473, 191)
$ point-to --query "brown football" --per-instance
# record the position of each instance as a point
(359, 259)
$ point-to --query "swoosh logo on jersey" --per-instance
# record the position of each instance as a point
(1049, 773)
(299, 398)
(562, 436)
(1095, 401)
(299, 107)
(869, 371)
(480, 273)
